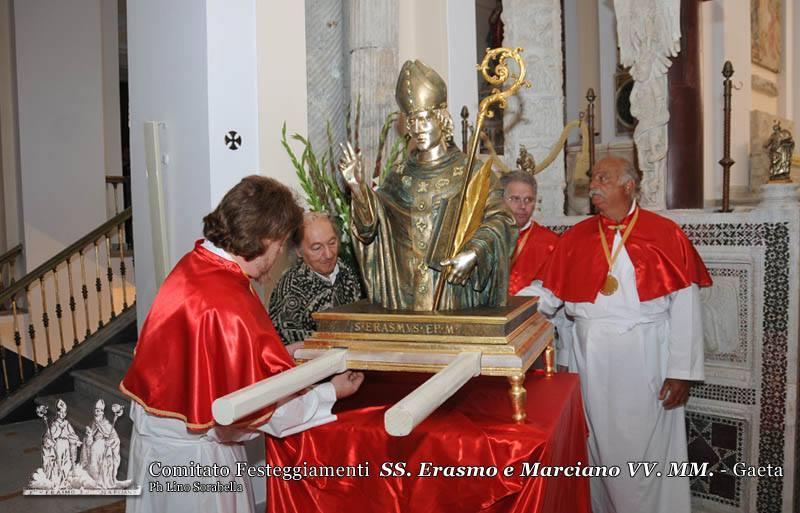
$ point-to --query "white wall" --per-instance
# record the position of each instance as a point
(604, 111)
(168, 81)
(423, 34)
(281, 79)
(726, 36)
(461, 59)
(232, 93)
(442, 34)
(582, 50)
(59, 84)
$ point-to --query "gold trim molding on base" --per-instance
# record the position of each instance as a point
(510, 339)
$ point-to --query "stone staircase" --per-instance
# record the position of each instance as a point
(99, 383)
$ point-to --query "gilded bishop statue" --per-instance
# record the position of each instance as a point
(402, 230)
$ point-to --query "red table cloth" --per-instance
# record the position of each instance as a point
(473, 428)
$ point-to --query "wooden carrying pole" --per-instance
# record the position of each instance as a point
(236, 405)
(403, 417)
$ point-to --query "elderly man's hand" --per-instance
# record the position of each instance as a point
(461, 266)
(347, 383)
(294, 346)
(674, 393)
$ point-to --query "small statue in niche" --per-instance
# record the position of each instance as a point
(526, 162)
(780, 146)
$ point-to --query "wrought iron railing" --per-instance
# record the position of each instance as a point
(29, 301)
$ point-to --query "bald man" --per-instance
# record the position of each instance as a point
(630, 279)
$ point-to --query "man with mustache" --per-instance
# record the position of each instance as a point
(630, 279)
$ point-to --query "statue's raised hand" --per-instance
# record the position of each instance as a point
(352, 168)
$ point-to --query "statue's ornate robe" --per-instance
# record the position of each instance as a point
(401, 233)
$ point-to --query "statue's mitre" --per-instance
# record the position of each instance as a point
(419, 88)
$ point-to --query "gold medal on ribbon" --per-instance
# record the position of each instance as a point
(610, 286)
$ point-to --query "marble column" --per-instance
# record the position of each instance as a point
(373, 64)
(327, 82)
(535, 116)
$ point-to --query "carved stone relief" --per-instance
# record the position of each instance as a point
(535, 116)
(648, 34)
(721, 315)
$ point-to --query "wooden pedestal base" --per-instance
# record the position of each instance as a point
(508, 339)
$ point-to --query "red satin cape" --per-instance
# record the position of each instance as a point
(538, 246)
(663, 258)
(207, 335)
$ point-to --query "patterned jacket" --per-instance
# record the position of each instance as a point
(301, 291)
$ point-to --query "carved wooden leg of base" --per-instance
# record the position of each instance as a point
(549, 356)
(518, 396)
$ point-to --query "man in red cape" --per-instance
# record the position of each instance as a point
(629, 278)
(207, 335)
(535, 242)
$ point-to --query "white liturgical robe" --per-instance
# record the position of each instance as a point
(562, 324)
(159, 442)
(623, 350)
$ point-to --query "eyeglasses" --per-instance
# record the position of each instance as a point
(527, 200)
